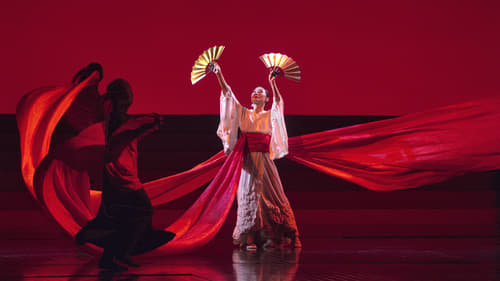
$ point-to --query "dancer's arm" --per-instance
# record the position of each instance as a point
(222, 82)
(279, 139)
(139, 126)
(272, 81)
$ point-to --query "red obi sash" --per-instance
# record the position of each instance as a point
(257, 142)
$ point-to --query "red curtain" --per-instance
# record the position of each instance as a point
(398, 153)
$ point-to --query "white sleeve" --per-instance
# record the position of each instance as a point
(279, 138)
(230, 110)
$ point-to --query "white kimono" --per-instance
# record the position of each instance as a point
(263, 209)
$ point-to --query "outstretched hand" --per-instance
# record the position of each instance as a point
(159, 120)
(274, 71)
(214, 66)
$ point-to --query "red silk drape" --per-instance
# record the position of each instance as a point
(407, 151)
(38, 114)
(398, 153)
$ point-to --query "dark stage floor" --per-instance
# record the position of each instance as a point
(366, 259)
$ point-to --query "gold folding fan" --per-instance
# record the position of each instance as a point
(287, 66)
(200, 65)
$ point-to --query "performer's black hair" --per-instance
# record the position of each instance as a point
(118, 89)
(85, 72)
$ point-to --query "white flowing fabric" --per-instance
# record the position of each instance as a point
(263, 209)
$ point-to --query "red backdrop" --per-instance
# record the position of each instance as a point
(357, 57)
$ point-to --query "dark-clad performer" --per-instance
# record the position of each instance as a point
(123, 225)
(265, 217)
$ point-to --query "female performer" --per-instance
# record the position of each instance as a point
(265, 217)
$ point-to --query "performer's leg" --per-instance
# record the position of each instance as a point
(135, 229)
(131, 234)
(107, 259)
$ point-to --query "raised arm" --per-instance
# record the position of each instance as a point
(272, 81)
(218, 72)
(230, 110)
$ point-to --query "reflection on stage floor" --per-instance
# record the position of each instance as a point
(360, 259)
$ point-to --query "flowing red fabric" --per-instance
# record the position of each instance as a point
(407, 151)
(398, 153)
(38, 113)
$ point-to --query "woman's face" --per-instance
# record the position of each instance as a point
(259, 96)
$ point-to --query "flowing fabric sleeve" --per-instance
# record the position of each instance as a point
(279, 138)
(230, 110)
